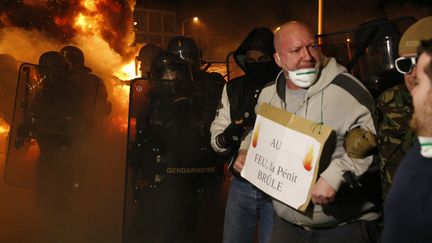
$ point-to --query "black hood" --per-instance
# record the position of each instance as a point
(260, 39)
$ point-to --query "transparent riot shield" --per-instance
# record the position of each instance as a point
(175, 180)
(207, 94)
(60, 179)
(369, 51)
(52, 120)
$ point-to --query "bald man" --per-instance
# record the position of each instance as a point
(315, 87)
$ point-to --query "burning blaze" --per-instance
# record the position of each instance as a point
(127, 71)
(4, 127)
(4, 131)
(89, 4)
(103, 29)
(93, 20)
(86, 24)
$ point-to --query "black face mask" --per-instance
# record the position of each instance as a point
(260, 73)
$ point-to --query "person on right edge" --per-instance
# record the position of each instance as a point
(345, 197)
(407, 210)
(394, 105)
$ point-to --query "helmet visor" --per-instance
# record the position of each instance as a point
(405, 64)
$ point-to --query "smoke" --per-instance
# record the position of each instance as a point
(26, 45)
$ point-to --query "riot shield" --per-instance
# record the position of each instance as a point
(64, 170)
(175, 179)
(207, 94)
(369, 51)
(52, 120)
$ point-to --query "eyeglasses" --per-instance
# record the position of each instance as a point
(405, 64)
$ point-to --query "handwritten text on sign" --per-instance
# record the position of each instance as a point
(281, 162)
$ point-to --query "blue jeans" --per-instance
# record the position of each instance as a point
(246, 207)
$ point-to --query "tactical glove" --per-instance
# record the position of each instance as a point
(359, 143)
(231, 135)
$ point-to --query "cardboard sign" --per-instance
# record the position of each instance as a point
(284, 154)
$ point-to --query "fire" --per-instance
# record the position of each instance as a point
(91, 21)
(103, 29)
(4, 131)
(120, 119)
(89, 4)
(4, 127)
(86, 24)
(127, 71)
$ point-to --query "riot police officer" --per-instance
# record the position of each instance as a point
(208, 86)
(172, 154)
(207, 92)
(54, 118)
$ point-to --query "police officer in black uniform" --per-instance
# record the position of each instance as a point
(171, 152)
(208, 86)
(53, 117)
(207, 91)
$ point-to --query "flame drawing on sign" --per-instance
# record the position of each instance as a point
(255, 136)
(307, 161)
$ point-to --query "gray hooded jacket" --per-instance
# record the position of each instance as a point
(340, 101)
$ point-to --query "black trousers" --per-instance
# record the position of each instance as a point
(355, 232)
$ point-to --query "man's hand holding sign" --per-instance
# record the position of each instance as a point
(282, 168)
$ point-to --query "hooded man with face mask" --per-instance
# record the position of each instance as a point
(236, 114)
(319, 89)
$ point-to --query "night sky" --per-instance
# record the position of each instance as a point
(237, 17)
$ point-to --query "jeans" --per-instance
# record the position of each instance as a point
(247, 207)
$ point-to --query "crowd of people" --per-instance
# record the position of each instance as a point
(375, 185)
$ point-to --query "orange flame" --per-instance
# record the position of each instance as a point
(307, 161)
(4, 131)
(255, 136)
(92, 21)
(121, 109)
(127, 71)
(85, 23)
(4, 127)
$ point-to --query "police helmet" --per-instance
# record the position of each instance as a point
(171, 75)
(168, 66)
(75, 58)
(148, 52)
(187, 49)
(145, 57)
(51, 63)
